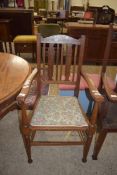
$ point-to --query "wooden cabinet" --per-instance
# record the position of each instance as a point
(22, 20)
(5, 29)
(96, 36)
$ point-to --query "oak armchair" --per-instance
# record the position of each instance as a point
(63, 56)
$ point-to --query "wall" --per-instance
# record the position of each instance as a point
(111, 3)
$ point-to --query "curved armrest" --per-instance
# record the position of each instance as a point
(93, 90)
(25, 89)
(111, 95)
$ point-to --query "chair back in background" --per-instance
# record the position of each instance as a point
(49, 29)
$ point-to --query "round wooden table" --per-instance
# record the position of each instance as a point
(13, 72)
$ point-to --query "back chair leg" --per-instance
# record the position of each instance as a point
(98, 144)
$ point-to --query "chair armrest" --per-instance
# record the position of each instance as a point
(25, 89)
(95, 94)
(111, 95)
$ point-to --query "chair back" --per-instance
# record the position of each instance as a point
(106, 72)
(62, 56)
(49, 29)
(106, 69)
(8, 47)
(107, 48)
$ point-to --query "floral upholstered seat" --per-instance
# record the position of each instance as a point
(58, 111)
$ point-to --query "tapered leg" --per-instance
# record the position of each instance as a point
(86, 148)
(98, 144)
(27, 145)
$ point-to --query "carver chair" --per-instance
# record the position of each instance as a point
(107, 119)
(55, 113)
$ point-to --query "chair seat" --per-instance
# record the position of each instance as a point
(25, 39)
(58, 111)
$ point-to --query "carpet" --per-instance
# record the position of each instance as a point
(51, 160)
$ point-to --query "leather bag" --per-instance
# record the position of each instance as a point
(105, 15)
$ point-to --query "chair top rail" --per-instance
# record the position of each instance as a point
(58, 39)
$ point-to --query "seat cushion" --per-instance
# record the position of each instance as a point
(58, 111)
(25, 39)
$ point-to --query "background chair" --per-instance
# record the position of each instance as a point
(7, 46)
(25, 44)
(107, 120)
(49, 29)
(53, 112)
(97, 78)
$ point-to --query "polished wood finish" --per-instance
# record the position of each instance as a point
(61, 55)
(96, 41)
(13, 72)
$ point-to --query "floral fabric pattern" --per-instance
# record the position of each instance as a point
(58, 111)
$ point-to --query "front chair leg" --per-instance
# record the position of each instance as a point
(98, 144)
(86, 148)
(26, 140)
